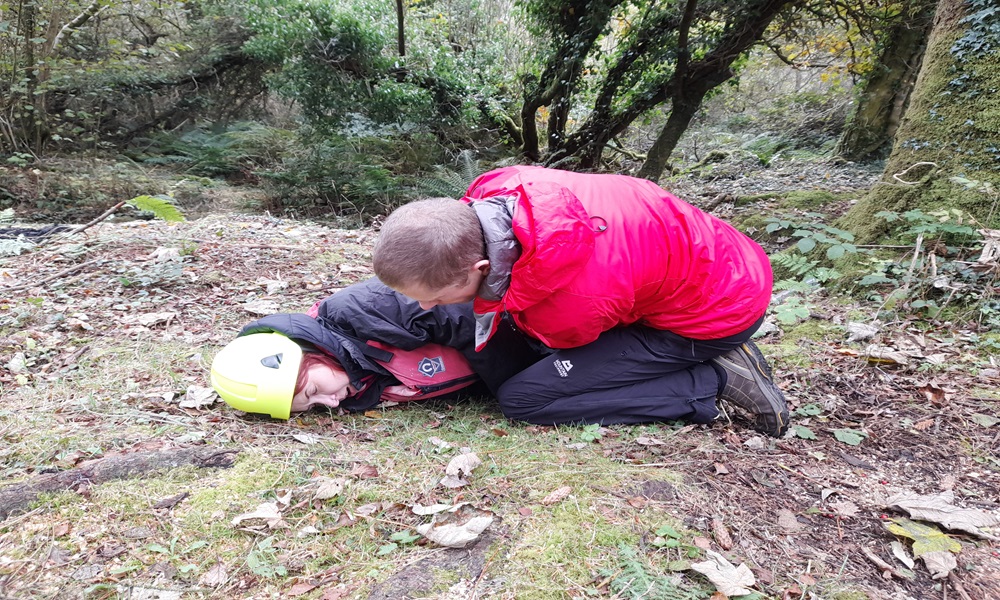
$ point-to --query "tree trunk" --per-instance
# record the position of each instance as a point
(950, 130)
(400, 32)
(659, 153)
(686, 87)
(886, 92)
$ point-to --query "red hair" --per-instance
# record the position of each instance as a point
(314, 358)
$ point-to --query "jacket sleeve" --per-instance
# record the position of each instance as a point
(370, 310)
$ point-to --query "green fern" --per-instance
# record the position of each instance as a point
(635, 579)
(795, 264)
(161, 206)
(451, 183)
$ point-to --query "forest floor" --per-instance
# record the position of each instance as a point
(125, 477)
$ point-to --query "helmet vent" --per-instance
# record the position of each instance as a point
(273, 361)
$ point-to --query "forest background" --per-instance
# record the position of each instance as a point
(858, 141)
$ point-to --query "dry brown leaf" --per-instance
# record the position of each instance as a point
(557, 496)
(788, 522)
(643, 440)
(363, 471)
(215, 576)
(300, 588)
(338, 593)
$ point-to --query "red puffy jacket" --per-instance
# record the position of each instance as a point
(573, 255)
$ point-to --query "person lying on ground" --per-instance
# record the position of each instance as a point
(363, 345)
(648, 302)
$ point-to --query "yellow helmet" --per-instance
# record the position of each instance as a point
(257, 373)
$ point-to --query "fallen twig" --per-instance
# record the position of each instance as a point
(54, 276)
(100, 218)
(882, 564)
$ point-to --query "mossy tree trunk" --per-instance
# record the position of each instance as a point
(946, 152)
(886, 91)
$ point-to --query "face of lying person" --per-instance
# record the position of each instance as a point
(322, 385)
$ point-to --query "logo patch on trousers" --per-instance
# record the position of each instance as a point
(431, 366)
(563, 367)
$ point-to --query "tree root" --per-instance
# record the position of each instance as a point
(17, 497)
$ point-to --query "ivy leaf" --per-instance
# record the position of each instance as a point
(985, 420)
(803, 432)
(851, 437)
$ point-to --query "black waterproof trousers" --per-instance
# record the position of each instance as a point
(632, 374)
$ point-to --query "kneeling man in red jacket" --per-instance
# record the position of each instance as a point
(646, 302)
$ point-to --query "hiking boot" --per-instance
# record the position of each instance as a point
(750, 389)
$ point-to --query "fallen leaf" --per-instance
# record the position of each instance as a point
(859, 332)
(458, 468)
(197, 396)
(884, 355)
(150, 319)
(727, 578)
(432, 509)
(300, 588)
(327, 488)
(363, 471)
(267, 511)
(721, 469)
(939, 563)
(214, 576)
(557, 496)
(172, 501)
(939, 508)
(925, 538)
(262, 307)
(457, 527)
(844, 509)
(923, 425)
(305, 438)
(439, 443)
(338, 593)
(649, 441)
(788, 522)
(985, 420)
(899, 551)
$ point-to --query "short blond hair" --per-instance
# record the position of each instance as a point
(433, 242)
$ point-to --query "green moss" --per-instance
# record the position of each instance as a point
(808, 199)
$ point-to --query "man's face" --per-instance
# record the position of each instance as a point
(455, 293)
